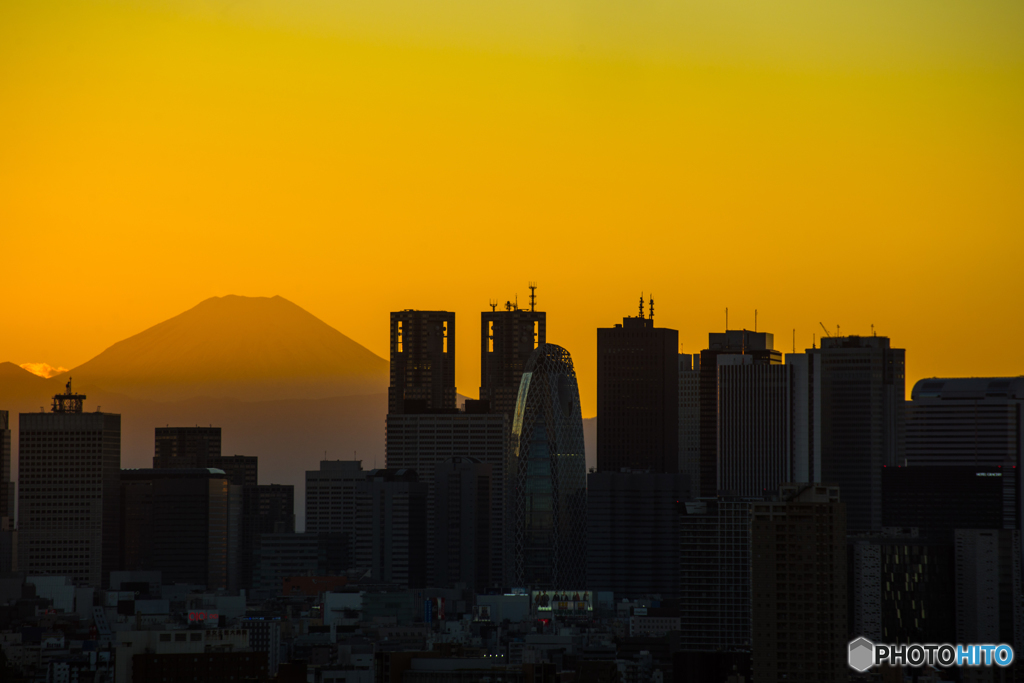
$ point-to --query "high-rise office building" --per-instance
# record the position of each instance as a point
(970, 421)
(422, 362)
(989, 602)
(714, 571)
(188, 447)
(70, 466)
(282, 556)
(422, 442)
(689, 421)
(547, 476)
(391, 527)
(799, 585)
(241, 470)
(331, 496)
(937, 499)
(7, 495)
(755, 426)
(266, 509)
(507, 338)
(859, 385)
(462, 523)
(760, 347)
(177, 520)
(638, 396)
(633, 533)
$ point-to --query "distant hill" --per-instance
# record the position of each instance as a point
(246, 348)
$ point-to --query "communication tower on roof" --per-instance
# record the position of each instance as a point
(68, 402)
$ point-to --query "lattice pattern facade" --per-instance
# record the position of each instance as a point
(548, 482)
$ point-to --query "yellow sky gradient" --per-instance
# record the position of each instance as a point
(851, 164)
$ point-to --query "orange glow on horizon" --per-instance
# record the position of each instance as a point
(850, 165)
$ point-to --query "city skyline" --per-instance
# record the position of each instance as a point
(467, 367)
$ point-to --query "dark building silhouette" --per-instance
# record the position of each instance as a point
(937, 499)
(282, 556)
(859, 397)
(424, 442)
(266, 509)
(462, 523)
(7, 495)
(714, 583)
(176, 520)
(189, 447)
(507, 338)
(633, 533)
(422, 362)
(989, 600)
(241, 470)
(760, 347)
(70, 466)
(798, 585)
(638, 396)
(391, 527)
(548, 477)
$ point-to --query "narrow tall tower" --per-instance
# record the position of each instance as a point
(638, 395)
(422, 362)
(507, 338)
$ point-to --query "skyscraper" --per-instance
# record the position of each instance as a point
(6, 485)
(760, 347)
(266, 509)
(547, 476)
(423, 442)
(755, 426)
(714, 570)
(391, 527)
(189, 447)
(507, 338)
(462, 523)
(70, 467)
(177, 520)
(689, 421)
(638, 396)
(633, 533)
(859, 399)
(422, 362)
(798, 581)
(968, 421)
(330, 496)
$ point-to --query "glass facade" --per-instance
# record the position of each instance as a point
(548, 476)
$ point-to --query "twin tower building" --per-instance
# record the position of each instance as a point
(505, 477)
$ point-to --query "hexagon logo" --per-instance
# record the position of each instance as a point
(862, 654)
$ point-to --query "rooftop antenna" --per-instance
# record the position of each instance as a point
(641, 305)
(727, 319)
(873, 330)
(651, 316)
(755, 320)
(516, 305)
(533, 296)
(794, 340)
(493, 303)
(814, 343)
(837, 330)
(508, 305)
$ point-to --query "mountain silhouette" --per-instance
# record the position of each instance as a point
(245, 348)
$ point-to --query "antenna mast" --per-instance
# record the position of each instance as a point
(493, 303)
(755, 320)
(641, 305)
(533, 296)
(651, 316)
(727, 319)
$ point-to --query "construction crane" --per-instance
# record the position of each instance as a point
(824, 328)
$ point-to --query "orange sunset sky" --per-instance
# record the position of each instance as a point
(851, 163)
